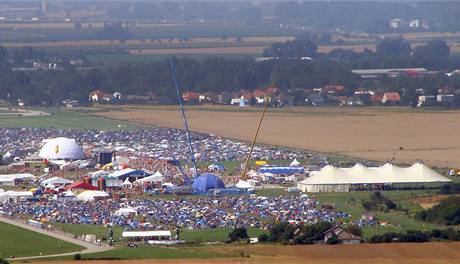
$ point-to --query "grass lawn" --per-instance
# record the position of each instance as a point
(21, 242)
(193, 236)
(67, 120)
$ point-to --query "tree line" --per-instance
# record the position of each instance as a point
(217, 74)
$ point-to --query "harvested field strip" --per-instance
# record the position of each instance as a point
(398, 134)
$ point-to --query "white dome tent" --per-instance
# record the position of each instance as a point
(61, 149)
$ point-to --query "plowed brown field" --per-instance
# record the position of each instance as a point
(384, 133)
(340, 254)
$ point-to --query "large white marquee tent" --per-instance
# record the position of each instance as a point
(333, 179)
(61, 149)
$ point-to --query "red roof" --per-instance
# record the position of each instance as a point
(376, 98)
(81, 185)
(392, 97)
(190, 96)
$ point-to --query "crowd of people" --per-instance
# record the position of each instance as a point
(187, 213)
(156, 142)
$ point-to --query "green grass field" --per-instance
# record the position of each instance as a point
(190, 236)
(21, 243)
(66, 120)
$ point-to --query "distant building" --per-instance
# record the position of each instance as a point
(426, 100)
(391, 97)
(98, 96)
(342, 235)
(415, 23)
(398, 23)
(70, 103)
(445, 99)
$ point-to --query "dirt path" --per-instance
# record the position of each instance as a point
(90, 248)
(22, 112)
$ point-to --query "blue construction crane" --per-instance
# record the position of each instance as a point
(184, 118)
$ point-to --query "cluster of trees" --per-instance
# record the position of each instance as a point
(447, 212)
(285, 233)
(417, 236)
(378, 202)
(238, 234)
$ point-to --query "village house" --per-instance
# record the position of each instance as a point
(342, 235)
(391, 98)
(98, 96)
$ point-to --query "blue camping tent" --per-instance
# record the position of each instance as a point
(282, 170)
(205, 182)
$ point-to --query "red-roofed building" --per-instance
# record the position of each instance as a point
(392, 97)
(376, 98)
(190, 96)
(332, 89)
(98, 96)
(81, 185)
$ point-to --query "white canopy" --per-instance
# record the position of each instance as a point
(125, 211)
(69, 193)
(5, 196)
(133, 234)
(88, 196)
(150, 179)
(243, 185)
(294, 163)
(158, 174)
(386, 174)
(56, 181)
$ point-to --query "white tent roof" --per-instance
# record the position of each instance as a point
(152, 178)
(91, 195)
(146, 233)
(56, 180)
(388, 173)
(61, 148)
(125, 211)
(69, 193)
(243, 185)
(158, 174)
(4, 196)
(121, 172)
(294, 163)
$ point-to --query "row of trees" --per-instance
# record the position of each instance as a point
(215, 74)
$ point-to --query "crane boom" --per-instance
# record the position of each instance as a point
(184, 117)
(243, 176)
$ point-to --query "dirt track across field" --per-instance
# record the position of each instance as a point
(392, 133)
(321, 254)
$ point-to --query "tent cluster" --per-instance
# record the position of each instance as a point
(332, 179)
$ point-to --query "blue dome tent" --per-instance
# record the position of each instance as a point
(205, 182)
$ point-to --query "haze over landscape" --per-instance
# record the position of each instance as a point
(229, 131)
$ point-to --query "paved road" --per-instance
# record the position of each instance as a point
(90, 248)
